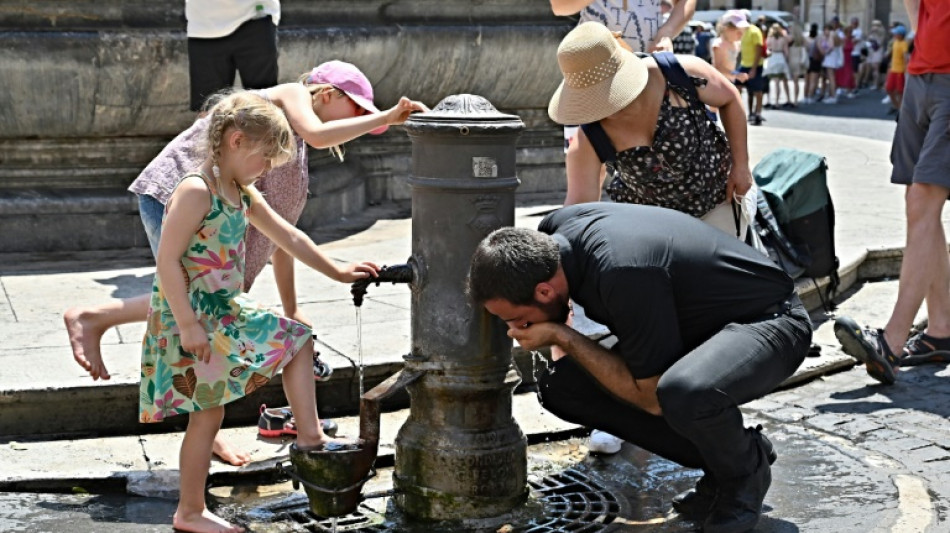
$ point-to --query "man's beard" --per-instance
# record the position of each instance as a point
(556, 311)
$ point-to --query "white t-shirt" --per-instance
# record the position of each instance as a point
(637, 24)
(857, 36)
(211, 19)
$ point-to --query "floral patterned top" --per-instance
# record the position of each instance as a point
(249, 343)
(685, 169)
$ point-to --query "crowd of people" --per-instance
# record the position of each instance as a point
(781, 65)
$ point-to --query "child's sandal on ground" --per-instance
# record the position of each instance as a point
(923, 348)
(276, 422)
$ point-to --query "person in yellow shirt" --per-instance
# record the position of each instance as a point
(750, 63)
(894, 85)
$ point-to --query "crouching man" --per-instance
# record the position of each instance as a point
(704, 324)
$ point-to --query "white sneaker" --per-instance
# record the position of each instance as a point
(603, 442)
(886, 100)
(830, 100)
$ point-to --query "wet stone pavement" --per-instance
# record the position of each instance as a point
(854, 457)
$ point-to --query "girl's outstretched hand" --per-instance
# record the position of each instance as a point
(400, 112)
(355, 271)
(194, 340)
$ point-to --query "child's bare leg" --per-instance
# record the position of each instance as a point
(300, 391)
(194, 461)
(86, 325)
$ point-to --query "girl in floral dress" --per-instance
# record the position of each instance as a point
(330, 105)
(207, 343)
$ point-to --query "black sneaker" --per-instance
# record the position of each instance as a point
(697, 501)
(868, 346)
(739, 503)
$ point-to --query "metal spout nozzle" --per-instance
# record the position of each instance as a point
(393, 274)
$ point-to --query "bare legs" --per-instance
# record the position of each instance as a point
(925, 271)
(86, 325)
(896, 98)
(300, 391)
(830, 83)
(811, 84)
(194, 461)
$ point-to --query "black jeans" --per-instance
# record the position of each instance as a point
(250, 51)
(700, 394)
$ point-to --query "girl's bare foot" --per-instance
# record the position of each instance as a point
(84, 337)
(206, 522)
(228, 453)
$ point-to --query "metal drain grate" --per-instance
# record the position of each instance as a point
(571, 502)
(363, 520)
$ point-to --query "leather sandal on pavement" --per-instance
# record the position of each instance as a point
(923, 348)
(868, 346)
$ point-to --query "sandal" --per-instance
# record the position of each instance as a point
(868, 346)
(923, 348)
(276, 422)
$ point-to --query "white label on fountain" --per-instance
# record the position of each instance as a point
(484, 167)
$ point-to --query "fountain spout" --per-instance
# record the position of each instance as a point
(394, 274)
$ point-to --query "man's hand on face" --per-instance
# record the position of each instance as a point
(534, 336)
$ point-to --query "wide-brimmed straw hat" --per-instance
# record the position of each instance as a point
(600, 77)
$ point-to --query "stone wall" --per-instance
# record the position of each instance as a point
(92, 89)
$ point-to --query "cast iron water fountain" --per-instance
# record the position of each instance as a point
(460, 454)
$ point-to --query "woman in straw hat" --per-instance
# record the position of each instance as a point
(668, 152)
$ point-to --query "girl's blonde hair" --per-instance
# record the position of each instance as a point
(261, 121)
(317, 89)
(776, 30)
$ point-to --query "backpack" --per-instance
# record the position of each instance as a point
(796, 217)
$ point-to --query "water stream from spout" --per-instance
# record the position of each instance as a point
(334, 520)
(359, 346)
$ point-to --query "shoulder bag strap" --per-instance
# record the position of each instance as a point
(598, 139)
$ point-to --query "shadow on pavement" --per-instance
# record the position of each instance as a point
(909, 392)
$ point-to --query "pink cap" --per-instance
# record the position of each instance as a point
(735, 17)
(347, 78)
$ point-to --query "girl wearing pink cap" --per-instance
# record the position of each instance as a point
(332, 104)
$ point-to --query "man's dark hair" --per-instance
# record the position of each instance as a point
(509, 263)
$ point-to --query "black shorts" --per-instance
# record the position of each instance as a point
(251, 50)
(814, 65)
(755, 84)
